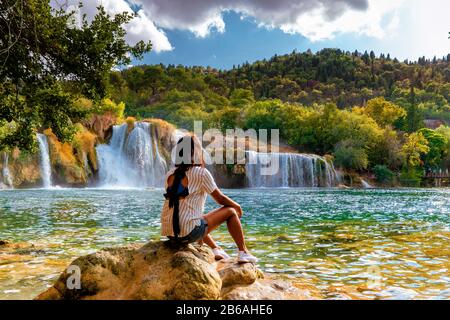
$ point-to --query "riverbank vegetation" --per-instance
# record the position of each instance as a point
(372, 114)
(369, 112)
(48, 62)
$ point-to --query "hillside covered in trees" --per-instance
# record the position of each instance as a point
(331, 75)
(366, 111)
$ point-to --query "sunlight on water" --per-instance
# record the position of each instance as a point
(374, 244)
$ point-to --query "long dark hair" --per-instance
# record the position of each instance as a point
(184, 160)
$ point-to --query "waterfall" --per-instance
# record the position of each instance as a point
(131, 160)
(161, 164)
(365, 184)
(46, 169)
(7, 178)
(294, 170)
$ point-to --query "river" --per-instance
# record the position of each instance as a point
(374, 244)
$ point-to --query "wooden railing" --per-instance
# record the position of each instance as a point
(441, 174)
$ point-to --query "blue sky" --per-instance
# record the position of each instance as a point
(221, 33)
(243, 40)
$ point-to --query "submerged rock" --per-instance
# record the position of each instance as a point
(4, 242)
(157, 271)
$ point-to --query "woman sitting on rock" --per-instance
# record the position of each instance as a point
(187, 187)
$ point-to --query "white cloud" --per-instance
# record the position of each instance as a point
(422, 30)
(140, 28)
(314, 19)
(397, 26)
(313, 26)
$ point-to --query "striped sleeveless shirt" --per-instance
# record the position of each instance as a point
(200, 184)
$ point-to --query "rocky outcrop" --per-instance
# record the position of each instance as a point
(229, 175)
(247, 282)
(24, 168)
(4, 243)
(158, 271)
(154, 271)
(101, 125)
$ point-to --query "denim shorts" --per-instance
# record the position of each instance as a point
(195, 235)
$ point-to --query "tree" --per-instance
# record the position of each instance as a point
(226, 118)
(383, 174)
(261, 115)
(365, 57)
(350, 155)
(437, 144)
(413, 117)
(47, 63)
(241, 98)
(387, 151)
(382, 111)
(415, 146)
(445, 131)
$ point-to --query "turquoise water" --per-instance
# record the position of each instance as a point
(372, 244)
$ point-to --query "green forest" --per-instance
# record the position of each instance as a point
(368, 112)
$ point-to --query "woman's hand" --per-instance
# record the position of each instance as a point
(238, 209)
(225, 201)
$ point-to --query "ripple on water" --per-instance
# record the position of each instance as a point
(380, 244)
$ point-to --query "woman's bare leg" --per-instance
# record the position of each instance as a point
(209, 241)
(218, 216)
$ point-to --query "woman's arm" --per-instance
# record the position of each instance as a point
(225, 201)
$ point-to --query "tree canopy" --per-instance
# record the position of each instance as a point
(47, 62)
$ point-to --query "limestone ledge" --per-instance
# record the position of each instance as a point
(157, 271)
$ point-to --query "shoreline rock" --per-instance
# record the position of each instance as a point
(157, 271)
(4, 242)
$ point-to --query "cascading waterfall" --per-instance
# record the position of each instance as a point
(294, 170)
(131, 160)
(46, 169)
(7, 178)
(113, 167)
(365, 184)
(159, 160)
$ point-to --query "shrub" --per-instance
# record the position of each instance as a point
(411, 177)
(383, 174)
(349, 156)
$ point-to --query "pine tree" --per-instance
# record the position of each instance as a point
(366, 58)
(413, 117)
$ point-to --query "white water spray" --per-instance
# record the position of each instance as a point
(46, 169)
(365, 184)
(7, 178)
(294, 170)
(131, 160)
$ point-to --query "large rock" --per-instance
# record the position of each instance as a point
(154, 271)
(158, 271)
(247, 282)
(238, 274)
(266, 289)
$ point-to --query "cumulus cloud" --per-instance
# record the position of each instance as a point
(314, 19)
(140, 28)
